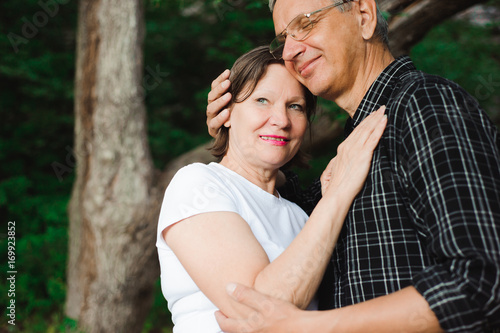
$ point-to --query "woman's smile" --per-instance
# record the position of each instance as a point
(275, 140)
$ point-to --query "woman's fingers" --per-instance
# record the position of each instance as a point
(376, 134)
(370, 122)
(352, 163)
(364, 130)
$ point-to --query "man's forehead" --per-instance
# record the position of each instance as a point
(286, 10)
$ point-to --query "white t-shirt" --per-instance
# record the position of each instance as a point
(199, 188)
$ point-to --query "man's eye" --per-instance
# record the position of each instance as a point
(306, 25)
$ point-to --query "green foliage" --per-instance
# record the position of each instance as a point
(464, 53)
(37, 116)
(159, 318)
(40, 246)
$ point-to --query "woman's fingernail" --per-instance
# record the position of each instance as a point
(230, 288)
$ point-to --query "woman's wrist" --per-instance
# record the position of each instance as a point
(340, 199)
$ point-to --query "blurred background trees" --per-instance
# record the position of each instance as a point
(187, 44)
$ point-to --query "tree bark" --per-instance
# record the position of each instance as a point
(117, 193)
(411, 20)
(111, 253)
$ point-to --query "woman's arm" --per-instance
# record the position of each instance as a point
(218, 248)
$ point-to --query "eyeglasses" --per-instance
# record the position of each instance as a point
(298, 29)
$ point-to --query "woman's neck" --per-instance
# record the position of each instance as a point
(263, 178)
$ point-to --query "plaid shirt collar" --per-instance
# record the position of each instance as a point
(380, 91)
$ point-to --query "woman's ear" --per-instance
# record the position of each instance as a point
(368, 11)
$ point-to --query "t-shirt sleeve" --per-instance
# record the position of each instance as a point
(195, 189)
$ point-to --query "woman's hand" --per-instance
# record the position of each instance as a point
(347, 171)
(218, 98)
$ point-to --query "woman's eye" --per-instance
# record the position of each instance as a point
(297, 107)
(262, 100)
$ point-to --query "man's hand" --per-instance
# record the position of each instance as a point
(265, 314)
(218, 98)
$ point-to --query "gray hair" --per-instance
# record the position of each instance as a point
(381, 30)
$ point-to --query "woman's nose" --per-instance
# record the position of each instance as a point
(280, 118)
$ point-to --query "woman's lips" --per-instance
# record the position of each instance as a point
(275, 140)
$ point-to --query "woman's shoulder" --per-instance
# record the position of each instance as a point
(194, 168)
(196, 171)
(195, 176)
(195, 189)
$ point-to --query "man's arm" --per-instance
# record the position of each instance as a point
(451, 175)
(403, 311)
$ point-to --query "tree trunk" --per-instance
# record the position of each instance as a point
(117, 193)
(411, 19)
(112, 256)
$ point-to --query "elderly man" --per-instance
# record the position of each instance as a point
(420, 247)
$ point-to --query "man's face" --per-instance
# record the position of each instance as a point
(328, 59)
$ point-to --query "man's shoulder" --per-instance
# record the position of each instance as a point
(417, 89)
(416, 81)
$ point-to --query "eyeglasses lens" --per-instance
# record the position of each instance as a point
(298, 29)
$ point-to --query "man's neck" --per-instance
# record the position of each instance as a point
(374, 64)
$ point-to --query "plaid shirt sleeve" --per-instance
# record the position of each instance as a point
(451, 172)
(306, 199)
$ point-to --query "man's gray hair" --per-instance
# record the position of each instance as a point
(381, 30)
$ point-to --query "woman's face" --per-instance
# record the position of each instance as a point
(266, 130)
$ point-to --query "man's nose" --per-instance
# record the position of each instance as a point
(292, 49)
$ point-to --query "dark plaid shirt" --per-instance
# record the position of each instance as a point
(429, 213)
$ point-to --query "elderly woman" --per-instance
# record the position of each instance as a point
(226, 222)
